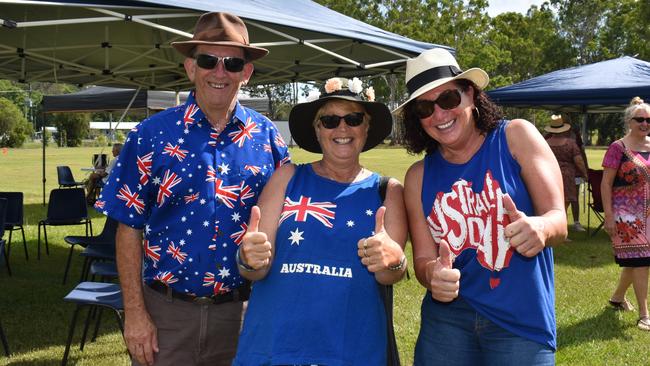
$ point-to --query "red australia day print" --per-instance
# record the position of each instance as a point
(474, 220)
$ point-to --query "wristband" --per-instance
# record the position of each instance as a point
(242, 265)
(400, 266)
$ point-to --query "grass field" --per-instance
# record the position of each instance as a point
(36, 319)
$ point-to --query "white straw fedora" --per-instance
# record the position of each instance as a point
(557, 125)
(433, 68)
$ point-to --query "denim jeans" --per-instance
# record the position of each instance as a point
(455, 334)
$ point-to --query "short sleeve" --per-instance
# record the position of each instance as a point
(613, 156)
(279, 147)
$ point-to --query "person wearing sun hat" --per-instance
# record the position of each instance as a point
(184, 183)
(572, 165)
(484, 207)
(322, 239)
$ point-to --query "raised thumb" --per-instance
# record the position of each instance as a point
(444, 254)
(254, 221)
(379, 219)
(511, 208)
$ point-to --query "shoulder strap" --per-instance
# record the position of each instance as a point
(383, 186)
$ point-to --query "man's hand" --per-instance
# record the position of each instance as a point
(444, 281)
(141, 336)
(255, 249)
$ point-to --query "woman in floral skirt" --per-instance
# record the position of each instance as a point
(626, 192)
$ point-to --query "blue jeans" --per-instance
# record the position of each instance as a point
(455, 334)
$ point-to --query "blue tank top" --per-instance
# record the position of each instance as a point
(463, 204)
(318, 304)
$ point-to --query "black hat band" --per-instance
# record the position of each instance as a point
(430, 75)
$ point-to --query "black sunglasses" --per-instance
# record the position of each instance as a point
(231, 64)
(331, 121)
(448, 99)
(641, 119)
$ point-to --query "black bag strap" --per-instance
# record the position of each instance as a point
(386, 294)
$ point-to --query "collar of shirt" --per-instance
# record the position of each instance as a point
(193, 112)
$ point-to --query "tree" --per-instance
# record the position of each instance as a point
(14, 128)
(74, 126)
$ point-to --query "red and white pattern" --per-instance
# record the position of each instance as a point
(220, 288)
(214, 137)
(191, 198)
(144, 167)
(100, 204)
(282, 162)
(165, 277)
(227, 194)
(188, 117)
(245, 193)
(176, 252)
(304, 207)
(132, 199)
(208, 279)
(165, 190)
(175, 151)
(151, 251)
(252, 168)
(245, 132)
(279, 141)
(238, 236)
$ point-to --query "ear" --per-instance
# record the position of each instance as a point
(247, 72)
(190, 68)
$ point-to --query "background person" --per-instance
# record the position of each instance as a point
(323, 241)
(98, 179)
(625, 191)
(572, 165)
(484, 205)
(186, 182)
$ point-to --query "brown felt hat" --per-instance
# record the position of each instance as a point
(220, 29)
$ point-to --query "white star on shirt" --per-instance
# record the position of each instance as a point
(224, 272)
(181, 140)
(235, 217)
(369, 212)
(147, 229)
(296, 237)
(205, 223)
(202, 201)
(156, 180)
(181, 242)
(350, 223)
(224, 169)
(183, 219)
(189, 231)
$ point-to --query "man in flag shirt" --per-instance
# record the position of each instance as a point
(182, 191)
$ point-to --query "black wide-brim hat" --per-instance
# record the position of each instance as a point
(301, 120)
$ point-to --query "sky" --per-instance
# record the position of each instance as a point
(501, 6)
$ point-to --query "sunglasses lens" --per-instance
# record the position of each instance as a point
(424, 108)
(641, 119)
(353, 119)
(330, 121)
(206, 61)
(233, 64)
(449, 99)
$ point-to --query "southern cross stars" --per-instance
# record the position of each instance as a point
(296, 237)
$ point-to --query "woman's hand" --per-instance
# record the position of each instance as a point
(610, 226)
(525, 233)
(442, 279)
(255, 249)
(379, 252)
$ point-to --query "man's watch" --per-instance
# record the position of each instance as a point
(400, 266)
(242, 265)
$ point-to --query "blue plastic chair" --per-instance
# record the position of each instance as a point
(66, 207)
(66, 180)
(95, 295)
(14, 219)
(106, 237)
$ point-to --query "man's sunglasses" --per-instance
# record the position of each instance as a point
(641, 119)
(331, 121)
(231, 64)
(448, 99)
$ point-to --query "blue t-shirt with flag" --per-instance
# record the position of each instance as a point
(190, 189)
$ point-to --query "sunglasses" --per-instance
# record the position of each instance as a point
(448, 99)
(332, 121)
(641, 119)
(231, 64)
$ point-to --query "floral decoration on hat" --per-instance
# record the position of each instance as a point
(341, 85)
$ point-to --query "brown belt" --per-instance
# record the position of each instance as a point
(238, 294)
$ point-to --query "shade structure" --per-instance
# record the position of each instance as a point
(126, 43)
(601, 87)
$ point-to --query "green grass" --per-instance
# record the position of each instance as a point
(36, 319)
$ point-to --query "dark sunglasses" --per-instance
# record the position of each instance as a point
(332, 120)
(448, 99)
(231, 64)
(641, 119)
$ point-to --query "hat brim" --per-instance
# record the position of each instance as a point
(479, 77)
(564, 128)
(186, 48)
(302, 115)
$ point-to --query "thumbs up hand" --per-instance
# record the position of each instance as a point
(255, 249)
(379, 251)
(525, 233)
(444, 281)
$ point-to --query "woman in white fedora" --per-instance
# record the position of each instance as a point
(484, 206)
(569, 156)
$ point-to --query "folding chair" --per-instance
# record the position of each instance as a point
(3, 212)
(594, 177)
(95, 295)
(106, 237)
(66, 207)
(14, 219)
(66, 180)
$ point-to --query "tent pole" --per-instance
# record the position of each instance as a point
(43, 137)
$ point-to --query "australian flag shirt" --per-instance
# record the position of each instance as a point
(190, 189)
